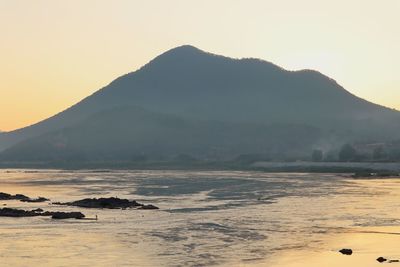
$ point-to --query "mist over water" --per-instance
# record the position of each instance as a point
(219, 218)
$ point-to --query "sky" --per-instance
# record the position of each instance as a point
(54, 53)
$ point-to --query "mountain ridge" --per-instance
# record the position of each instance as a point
(196, 85)
(157, 136)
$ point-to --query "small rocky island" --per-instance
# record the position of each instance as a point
(108, 203)
(20, 197)
(9, 212)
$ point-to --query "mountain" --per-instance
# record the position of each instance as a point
(133, 133)
(203, 90)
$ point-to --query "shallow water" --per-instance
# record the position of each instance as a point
(216, 218)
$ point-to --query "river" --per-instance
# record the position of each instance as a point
(206, 218)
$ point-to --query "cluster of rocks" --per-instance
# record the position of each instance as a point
(382, 260)
(20, 197)
(108, 203)
(98, 203)
(9, 212)
(347, 251)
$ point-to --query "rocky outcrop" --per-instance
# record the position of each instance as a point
(6, 196)
(381, 259)
(35, 200)
(9, 212)
(107, 203)
(346, 251)
(148, 207)
(20, 197)
(67, 215)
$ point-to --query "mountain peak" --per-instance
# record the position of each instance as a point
(180, 52)
(179, 57)
(184, 49)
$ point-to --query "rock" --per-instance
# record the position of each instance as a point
(36, 200)
(381, 259)
(5, 196)
(37, 210)
(21, 197)
(107, 203)
(8, 212)
(47, 213)
(67, 215)
(393, 261)
(148, 207)
(346, 251)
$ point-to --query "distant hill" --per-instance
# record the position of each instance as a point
(130, 133)
(221, 98)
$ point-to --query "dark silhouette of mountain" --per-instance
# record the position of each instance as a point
(203, 89)
(133, 133)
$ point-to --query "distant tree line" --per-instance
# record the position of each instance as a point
(385, 152)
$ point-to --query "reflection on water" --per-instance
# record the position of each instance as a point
(206, 218)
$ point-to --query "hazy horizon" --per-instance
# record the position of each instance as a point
(89, 44)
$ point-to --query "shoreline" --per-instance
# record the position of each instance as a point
(386, 168)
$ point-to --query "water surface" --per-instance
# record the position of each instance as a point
(208, 218)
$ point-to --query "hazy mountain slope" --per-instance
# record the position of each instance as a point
(190, 83)
(187, 81)
(129, 133)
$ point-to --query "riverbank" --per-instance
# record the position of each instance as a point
(298, 166)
